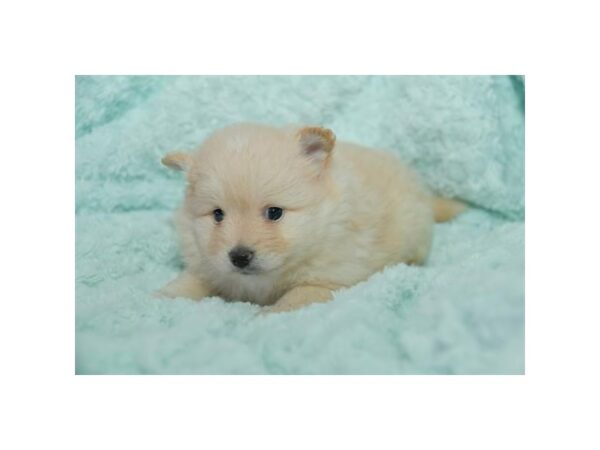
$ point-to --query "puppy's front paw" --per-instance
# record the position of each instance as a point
(185, 285)
(299, 297)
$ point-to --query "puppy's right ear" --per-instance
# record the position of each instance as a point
(177, 160)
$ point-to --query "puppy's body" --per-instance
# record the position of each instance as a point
(348, 212)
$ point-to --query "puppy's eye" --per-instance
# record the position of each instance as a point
(218, 214)
(273, 213)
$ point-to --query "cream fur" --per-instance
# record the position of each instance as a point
(348, 212)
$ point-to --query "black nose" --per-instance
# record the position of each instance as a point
(241, 256)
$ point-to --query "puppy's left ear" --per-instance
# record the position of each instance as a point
(177, 160)
(317, 142)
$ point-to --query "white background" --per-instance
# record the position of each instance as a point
(44, 44)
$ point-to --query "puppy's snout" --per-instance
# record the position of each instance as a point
(241, 256)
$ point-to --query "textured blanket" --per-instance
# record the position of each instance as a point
(462, 313)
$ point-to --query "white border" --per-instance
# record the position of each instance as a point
(46, 43)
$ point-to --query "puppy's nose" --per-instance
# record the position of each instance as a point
(241, 256)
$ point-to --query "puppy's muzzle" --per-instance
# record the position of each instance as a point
(241, 256)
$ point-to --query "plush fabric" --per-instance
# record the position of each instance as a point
(462, 313)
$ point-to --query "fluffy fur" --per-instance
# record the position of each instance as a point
(348, 212)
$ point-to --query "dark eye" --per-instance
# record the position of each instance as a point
(273, 213)
(218, 214)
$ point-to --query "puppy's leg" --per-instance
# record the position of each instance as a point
(185, 285)
(301, 296)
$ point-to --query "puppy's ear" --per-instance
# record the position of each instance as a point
(177, 160)
(316, 142)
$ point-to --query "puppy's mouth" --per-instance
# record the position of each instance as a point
(248, 270)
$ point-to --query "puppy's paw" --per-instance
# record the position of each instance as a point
(300, 297)
(185, 285)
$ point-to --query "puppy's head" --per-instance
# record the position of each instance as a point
(255, 195)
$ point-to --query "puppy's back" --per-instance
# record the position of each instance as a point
(390, 200)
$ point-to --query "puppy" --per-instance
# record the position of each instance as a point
(284, 217)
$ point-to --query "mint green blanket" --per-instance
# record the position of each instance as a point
(462, 313)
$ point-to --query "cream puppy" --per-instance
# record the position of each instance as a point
(284, 217)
